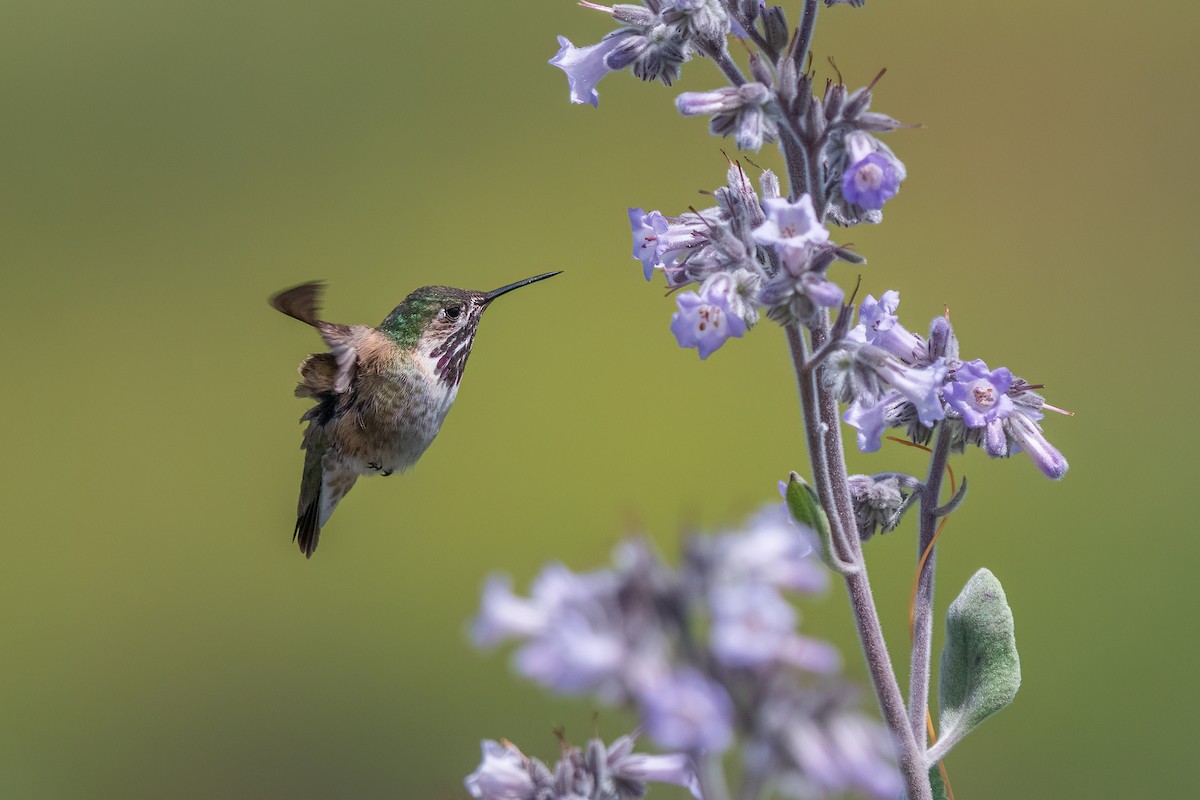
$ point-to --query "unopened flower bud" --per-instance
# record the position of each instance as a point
(775, 28)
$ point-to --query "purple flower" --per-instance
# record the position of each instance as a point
(822, 291)
(739, 110)
(871, 182)
(752, 626)
(773, 550)
(750, 623)
(874, 174)
(687, 711)
(648, 230)
(839, 754)
(585, 66)
(625, 765)
(574, 655)
(502, 775)
(793, 229)
(870, 419)
(704, 321)
(920, 386)
(881, 327)
(504, 615)
(979, 395)
(1025, 431)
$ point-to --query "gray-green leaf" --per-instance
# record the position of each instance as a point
(980, 671)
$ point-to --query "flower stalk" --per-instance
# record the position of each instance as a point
(922, 626)
(828, 459)
(707, 652)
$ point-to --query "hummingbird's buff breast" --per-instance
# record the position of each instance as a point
(397, 412)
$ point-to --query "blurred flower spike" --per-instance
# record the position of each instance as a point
(699, 651)
(595, 772)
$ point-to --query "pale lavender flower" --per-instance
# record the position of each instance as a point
(585, 66)
(504, 615)
(740, 110)
(634, 769)
(881, 327)
(687, 711)
(978, 394)
(740, 288)
(772, 549)
(575, 655)
(1023, 428)
(704, 321)
(841, 752)
(871, 419)
(920, 386)
(871, 182)
(649, 231)
(593, 773)
(916, 392)
(502, 775)
(870, 172)
(792, 229)
(822, 291)
(752, 626)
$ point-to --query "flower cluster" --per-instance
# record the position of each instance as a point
(747, 254)
(771, 254)
(596, 772)
(707, 652)
(655, 41)
(894, 378)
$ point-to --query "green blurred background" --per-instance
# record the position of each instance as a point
(166, 165)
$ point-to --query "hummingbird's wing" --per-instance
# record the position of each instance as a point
(340, 339)
(300, 302)
(303, 302)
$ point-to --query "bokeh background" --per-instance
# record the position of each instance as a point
(167, 164)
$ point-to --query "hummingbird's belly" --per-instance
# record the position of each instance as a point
(391, 438)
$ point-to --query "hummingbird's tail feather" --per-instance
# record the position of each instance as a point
(325, 481)
(308, 527)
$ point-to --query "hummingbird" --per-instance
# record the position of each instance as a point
(381, 392)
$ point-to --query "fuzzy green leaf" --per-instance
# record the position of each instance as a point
(980, 670)
(936, 784)
(806, 509)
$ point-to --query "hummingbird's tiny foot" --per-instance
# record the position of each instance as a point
(387, 472)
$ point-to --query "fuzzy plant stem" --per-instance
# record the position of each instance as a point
(808, 23)
(922, 632)
(727, 65)
(828, 461)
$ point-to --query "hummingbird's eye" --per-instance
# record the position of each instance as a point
(453, 311)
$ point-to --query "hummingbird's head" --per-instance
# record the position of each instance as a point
(439, 322)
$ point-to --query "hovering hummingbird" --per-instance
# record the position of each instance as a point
(381, 393)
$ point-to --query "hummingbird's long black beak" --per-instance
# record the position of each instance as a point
(494, 293)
